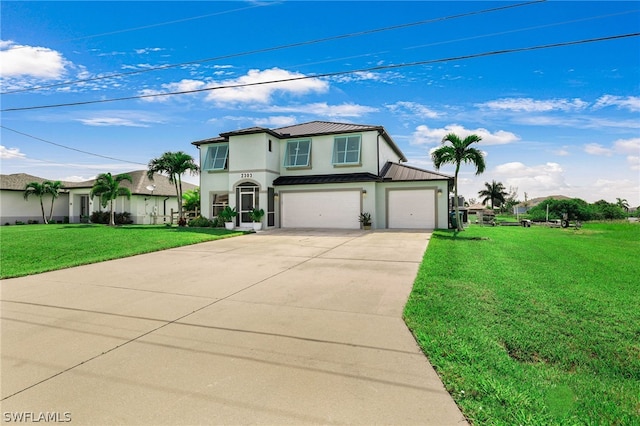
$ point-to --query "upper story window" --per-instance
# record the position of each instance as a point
(298, 153)
(346, 149)
(217, 157)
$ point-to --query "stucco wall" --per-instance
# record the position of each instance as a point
(14, 207)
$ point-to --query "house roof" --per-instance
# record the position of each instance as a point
(401, 173)
(312, 128)
(313, 179)
(390, 172)
(162, 185)
(18, 181)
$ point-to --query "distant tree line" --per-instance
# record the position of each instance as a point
(577, 209)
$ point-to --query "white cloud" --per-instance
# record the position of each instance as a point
(147, 50)
(632, 103)
(10, 153)
(542, 179)
(425, 135)
(365, 76)
(412, 110)
(185, 85)
(597, 149)
(110, 121)
(255, 88)
(532, 105)
(121, 118)
(562, 152)
(30, 61)
(324, 109)
(276, 121)
(627, 146)
(634, 162)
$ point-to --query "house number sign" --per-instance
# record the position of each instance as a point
(246, 175)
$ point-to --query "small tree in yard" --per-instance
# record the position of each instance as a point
(39, 190)
(494, 192)
(174, 164)
(54, 190)
(457, 151)
(108, 189)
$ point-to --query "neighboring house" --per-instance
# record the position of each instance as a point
(150, 202)
(319, 175)
(523, 208)
(13, 206)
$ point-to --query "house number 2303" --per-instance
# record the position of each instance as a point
(246, 175)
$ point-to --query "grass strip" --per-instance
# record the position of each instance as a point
(32, 249)
(534, 325)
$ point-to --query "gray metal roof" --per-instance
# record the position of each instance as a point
(312, 128)
(322, 128)
(399, 172)
(315, 179)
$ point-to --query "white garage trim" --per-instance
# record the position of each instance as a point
(412, 208)
(321, 209)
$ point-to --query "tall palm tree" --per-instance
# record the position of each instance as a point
(39, 190)
(623, 204)
(54, 190)
(108, 189)
(174, 164)
(457, 151)
(494, 191)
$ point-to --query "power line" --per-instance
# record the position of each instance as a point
(159, 24)
(333, 74)
(68, 147)
(281, 47)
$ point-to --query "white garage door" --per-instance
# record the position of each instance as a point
(326, 209)
(412, 209)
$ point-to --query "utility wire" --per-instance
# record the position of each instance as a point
(160, 24)
(333, 74)
(281, 47)
(69, 148)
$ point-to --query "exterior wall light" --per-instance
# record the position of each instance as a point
(439, 192)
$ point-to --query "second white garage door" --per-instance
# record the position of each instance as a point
(412, 209)
(324, 209)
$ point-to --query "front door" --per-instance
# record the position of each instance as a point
(247, 194)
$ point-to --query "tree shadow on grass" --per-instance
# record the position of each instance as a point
(458, 236)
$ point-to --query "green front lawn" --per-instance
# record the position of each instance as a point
(534, 325)
(31, 249)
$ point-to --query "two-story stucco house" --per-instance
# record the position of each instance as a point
(319, 175)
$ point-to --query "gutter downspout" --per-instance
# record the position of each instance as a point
(378, 152)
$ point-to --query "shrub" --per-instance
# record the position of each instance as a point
(123, 218)
(201, 222)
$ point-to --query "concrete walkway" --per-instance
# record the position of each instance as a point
(279, 327)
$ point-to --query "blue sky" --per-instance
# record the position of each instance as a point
(563, 120)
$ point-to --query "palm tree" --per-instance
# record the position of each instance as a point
(191, 199)
(108, 189)
(494, 191)
(174, 164)
(54, 190)
(39, 190)
(623, 204)
(456, 152)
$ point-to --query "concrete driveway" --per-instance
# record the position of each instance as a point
(279, 327)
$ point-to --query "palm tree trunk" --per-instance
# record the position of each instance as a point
(112, 221)
(455, 199)
(51, 211)
(175, 183)
(44, 217)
